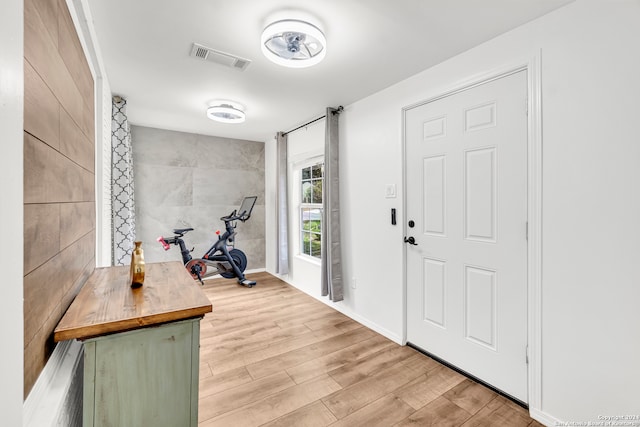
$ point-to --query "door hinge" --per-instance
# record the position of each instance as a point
(526, 231)
(526, 105)
(526, 354)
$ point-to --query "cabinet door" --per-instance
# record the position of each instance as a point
(144, 377)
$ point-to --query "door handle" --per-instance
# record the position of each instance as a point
(410, 240)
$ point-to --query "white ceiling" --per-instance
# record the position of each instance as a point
(371, 44)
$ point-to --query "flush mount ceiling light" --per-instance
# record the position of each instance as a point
(226, 112)
(293, 43)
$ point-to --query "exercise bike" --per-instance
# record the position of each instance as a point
(222, 258)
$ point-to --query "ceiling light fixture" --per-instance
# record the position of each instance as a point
(293, 43)
(226, 112)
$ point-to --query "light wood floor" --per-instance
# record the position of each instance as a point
(274, 356)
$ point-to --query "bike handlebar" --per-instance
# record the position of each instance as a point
(233, 217)
(230, 217)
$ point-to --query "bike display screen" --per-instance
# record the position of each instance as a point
(247, 206)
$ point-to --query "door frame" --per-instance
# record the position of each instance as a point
(530, 64)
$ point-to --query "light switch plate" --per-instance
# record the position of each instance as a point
(390, 191)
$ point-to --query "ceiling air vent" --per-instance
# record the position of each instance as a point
(222, 58)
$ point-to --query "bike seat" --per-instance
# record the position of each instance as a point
(181, 230)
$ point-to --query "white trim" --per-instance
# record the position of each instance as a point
(83, 21)
(80, 24)
(534, 243)
(534, 199)
(310, 259)
(544, 418)
(103, 175)
(11, 213)
(44, 405)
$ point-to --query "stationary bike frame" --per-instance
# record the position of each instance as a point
(221, 258)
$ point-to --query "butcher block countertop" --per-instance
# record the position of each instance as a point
(106, 303)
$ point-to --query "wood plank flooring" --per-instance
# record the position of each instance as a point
(274, 356)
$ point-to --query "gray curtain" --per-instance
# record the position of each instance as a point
(282, 264)
(332, 280)
(122, 200)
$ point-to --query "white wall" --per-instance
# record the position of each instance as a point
(304, 273)
(11, 176)
(591, 200)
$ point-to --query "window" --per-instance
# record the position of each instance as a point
(311, 210)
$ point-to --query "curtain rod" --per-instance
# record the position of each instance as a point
(304, 125)
(336, 111)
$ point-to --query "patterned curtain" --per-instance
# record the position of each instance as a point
(122, 202)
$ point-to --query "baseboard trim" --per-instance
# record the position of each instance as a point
(45, 404)
(544, 418)
(344, 310)
(364, 321)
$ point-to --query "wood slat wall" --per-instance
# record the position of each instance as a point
(59, 176)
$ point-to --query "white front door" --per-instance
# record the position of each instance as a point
(466, 174)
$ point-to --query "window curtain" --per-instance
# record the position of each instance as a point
(122, 200)
(282, 264)
(332, 280)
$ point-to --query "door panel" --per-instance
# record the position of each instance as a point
(466, 166)
(434, 292)
(480, 306)
(480, 194)
(434, 169)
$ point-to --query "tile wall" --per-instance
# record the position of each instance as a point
(187, 180)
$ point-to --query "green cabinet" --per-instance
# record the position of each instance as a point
(141, 346)
(144, 377)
